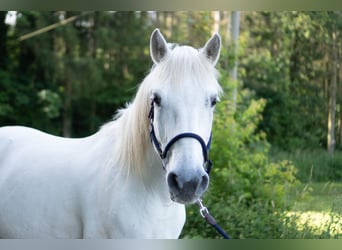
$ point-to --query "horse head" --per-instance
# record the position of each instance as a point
(182, 104)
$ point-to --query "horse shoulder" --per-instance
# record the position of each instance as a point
(41, 172)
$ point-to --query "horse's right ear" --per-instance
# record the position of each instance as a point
(212, 48)
(158, 46)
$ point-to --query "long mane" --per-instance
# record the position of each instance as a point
(132, 124)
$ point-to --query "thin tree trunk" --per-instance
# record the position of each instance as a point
(3, 39)
(339, 81)
(168, 23)
(92, 54)
(92, 116)
(332, 103)
(235, 28)
(60, 48)
(67, 114)
(216, 23)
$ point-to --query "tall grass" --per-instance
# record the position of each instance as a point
(316, 210)
(315, 205)
(312, 165)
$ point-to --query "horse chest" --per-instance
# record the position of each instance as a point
(152, 223)
(141, 215)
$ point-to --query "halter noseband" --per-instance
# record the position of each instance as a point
(163, 154)
(207, 163)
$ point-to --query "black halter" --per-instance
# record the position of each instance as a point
(163, 154)
(207, 164)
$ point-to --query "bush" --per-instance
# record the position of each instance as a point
(255, 221)
(247, 192)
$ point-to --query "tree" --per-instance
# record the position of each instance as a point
(78, 72)
(288, 62)
(235, 40)
(333, 26)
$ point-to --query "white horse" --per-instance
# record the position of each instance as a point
(112, 183)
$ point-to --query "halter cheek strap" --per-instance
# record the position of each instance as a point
(163, 153)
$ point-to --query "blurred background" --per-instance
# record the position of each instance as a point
(277, 136)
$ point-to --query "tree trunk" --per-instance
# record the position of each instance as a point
(332, 103)
(216, 23)
(3, 40)
(67, 114)
(339, 91)
(235, 26)
(169, 24)
(60, 50)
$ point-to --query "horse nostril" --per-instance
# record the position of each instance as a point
(172, 181)
(204, 183)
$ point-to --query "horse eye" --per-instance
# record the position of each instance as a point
(156, 99)
(214, 101)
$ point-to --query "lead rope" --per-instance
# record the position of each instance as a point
(205, 212)
(210, 219)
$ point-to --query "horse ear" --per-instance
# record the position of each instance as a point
(158, 46)
(212, 48)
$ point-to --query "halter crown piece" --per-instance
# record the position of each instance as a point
(163, 153)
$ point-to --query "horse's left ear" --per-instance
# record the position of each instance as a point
(158, 46)
(212, 48)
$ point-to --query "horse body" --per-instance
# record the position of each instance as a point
(38, 183)
(58, 195)
(112, 183)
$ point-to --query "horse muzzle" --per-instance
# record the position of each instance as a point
(186, 189)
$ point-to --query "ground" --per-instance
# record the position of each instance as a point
(318, 206)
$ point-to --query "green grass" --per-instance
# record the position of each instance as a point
(321, 176)
(315, 205)
(322, 197)
(316, 209)
(313, 166)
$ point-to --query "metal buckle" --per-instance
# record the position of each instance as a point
(203, 209)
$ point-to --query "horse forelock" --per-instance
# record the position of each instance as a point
(185, 61)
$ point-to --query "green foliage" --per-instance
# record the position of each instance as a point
(286, 62)
(5, 107)
(241, 151)
(247, 192)
(75, 76)
(51, 102)
(97, 61)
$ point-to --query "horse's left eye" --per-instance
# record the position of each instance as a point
(214, 101)
(156, 99)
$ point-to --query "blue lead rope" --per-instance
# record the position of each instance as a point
(204, 210)
(210, 219)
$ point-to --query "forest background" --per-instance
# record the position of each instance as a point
(277, 132)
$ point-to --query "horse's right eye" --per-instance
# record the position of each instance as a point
(214, 101)
(156, 99)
